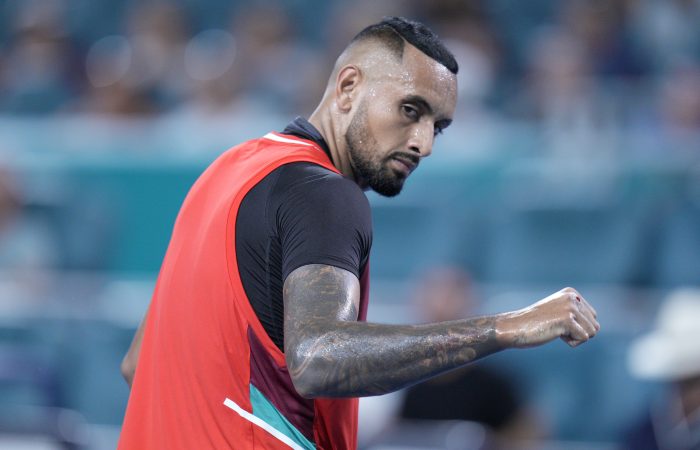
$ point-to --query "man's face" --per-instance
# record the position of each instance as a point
(399, 115)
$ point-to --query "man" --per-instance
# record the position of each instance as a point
(669, 353)
(255, 336)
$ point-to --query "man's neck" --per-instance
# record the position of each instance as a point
(336, 143)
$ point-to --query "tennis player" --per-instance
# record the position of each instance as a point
(256, 334)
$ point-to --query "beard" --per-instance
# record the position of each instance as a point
(366, 162)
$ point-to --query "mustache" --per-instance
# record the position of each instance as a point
(411, 158)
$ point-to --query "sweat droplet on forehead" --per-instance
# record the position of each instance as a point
(407, 77)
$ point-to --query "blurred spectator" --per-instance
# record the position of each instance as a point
(216, 104)
(559, 81)
(158, 31)
(209, 60)
(668, 127)
(38, 63)
(211, 86)
(9, 201)
(671, 354)
(667, 30)
(562, 95)
(142, 72)
(269, 46)
(26, 245)
(602, 28)
(680, 100)
(476, 392)
(110, 92)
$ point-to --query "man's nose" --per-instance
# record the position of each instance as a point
(421, 140)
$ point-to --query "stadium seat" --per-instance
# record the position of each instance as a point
(567, 244)
(407, 237)
(678, 260)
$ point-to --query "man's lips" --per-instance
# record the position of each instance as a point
(405, 164)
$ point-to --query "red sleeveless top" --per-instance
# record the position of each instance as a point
(208, 375)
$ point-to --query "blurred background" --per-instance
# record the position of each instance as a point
(574, 159)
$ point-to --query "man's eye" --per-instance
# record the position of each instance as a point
(410, 112)
(437, 130)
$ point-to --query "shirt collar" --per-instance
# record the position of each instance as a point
(302, 128)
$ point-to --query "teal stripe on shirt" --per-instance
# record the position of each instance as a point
(266, 411)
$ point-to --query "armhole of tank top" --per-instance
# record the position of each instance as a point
(270, 219)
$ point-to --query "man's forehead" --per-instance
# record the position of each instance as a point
(426, 69)
(420, 75)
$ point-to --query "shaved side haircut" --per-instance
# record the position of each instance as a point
(394, 32)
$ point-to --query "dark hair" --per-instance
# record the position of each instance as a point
(394, 32)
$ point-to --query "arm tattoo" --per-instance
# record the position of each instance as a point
(330, 354)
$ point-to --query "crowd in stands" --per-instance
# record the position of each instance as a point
(596, 79)
(569, 66)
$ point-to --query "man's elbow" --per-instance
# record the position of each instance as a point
(305, 389)
(304, 372)
(128, 368)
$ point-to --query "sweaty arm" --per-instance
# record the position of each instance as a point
(330, 354)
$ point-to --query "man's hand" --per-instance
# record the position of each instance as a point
(564, 314)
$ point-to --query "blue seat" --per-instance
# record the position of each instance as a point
(407, 238)
(567, 244)
(30, 387)
(678, 260)
(143, 202)
(96, 388)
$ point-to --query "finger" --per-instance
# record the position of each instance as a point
(586, 322)
(577, 332)
(587, 313)
(586, 309)
(571, 342)
(589, 306)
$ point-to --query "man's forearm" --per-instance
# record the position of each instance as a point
(362, 359)
(330, 354)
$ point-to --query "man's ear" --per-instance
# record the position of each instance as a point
(346, 87)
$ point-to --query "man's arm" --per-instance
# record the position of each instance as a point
(128, 366)
(330, 354)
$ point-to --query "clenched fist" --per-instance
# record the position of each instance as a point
(564, 314)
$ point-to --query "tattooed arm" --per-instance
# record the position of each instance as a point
(330, 354)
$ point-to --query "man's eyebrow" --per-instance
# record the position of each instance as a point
(443, 123)
(419, 101)
(423, 104)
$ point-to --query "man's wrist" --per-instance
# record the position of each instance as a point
(505, 330)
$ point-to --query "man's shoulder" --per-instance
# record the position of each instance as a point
(318, 182)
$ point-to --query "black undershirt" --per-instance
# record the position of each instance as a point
(299, 214)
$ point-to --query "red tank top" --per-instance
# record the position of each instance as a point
(208, 375)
